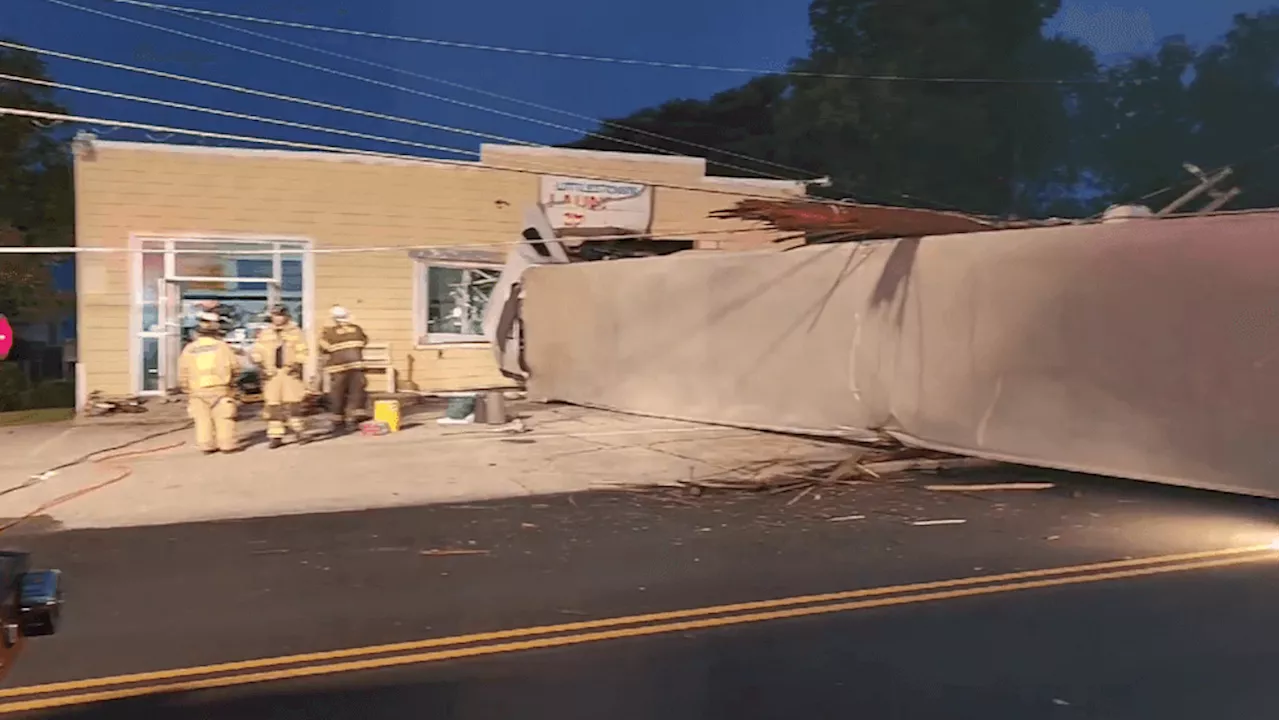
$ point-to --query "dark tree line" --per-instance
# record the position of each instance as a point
(1067, 137)
(36, 195)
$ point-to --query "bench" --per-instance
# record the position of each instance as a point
(377, 357)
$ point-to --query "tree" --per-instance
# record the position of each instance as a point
(998, 147)
(1142, 123)
(740, 121)
(1049, 133)
(1211, 108)
(1234, 98)
(36, 193)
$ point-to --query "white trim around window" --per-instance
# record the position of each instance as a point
(449, 300)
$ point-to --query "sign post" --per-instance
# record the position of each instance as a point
(6, 337)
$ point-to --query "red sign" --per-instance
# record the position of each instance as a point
(6, 337)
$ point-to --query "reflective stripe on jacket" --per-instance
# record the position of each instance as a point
(344, 345)
(207, 363)
(279, 348)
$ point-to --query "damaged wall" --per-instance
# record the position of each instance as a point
(1143, 349)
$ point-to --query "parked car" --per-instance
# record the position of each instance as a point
(30, 605)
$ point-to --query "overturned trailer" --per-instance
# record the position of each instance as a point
(1143, 349)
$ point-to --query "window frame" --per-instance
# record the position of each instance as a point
(423, 338)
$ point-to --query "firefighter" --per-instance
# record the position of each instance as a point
(207, 370)
(280, 351)
(343, 344)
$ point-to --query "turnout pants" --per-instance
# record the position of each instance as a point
(214, 414)
(282, 396)
(346, 395)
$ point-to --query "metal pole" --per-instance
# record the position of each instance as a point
(1194, 192)
(1219, 200)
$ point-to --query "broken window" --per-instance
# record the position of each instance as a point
(456, 297)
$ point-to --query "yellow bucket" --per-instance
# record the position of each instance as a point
(388, 413)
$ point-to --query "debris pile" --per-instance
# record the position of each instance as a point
(99, 404)
(850, 221)
(866, 463)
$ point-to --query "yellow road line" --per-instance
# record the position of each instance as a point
(611, 634)
(417, 645)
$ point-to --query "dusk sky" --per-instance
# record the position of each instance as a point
(716, 32)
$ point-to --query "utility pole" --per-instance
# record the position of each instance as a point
(1205, 186)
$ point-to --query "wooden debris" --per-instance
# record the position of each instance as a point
(446, 551)
(868, 461)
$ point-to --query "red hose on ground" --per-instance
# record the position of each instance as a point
(124, 471)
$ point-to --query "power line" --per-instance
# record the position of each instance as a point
(322, 68)
(591, 58)
(411, 90)
(261, 93)
(547, 108)
(355, 249)
(805, 174)
(63, 117)
(239, 116)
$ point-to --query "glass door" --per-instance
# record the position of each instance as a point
(179, 276)
(170, 333)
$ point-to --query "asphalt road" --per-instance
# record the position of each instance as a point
(1185, 637)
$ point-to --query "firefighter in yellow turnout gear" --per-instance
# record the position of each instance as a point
(280, 351)
(207, 370)
(343, 344)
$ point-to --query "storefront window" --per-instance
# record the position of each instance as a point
(456, 301)
(222, 259)
(243, 279)
(150, 364)
(291, 275)
(152, 273)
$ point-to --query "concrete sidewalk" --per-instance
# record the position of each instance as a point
(565, 449)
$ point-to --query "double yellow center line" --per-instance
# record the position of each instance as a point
(245, 672)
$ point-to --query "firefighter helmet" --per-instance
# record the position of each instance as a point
(209, 323)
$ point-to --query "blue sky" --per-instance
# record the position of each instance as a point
(719, 32)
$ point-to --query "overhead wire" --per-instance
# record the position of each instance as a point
(299, 63)
(261, 93)
(525, 170)
(59, 117)
(539, 106)
(934, 204)
(365, 249)
(595, 58)
(363, 78)
(179, 11)
(236, 115)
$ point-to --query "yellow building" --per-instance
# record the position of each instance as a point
(264, 220)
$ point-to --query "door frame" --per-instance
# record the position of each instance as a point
(169, 281)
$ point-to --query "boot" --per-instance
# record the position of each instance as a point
(274, 443)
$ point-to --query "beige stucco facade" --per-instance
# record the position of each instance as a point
(128, 192)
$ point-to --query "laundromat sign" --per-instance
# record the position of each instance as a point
(576, 206)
